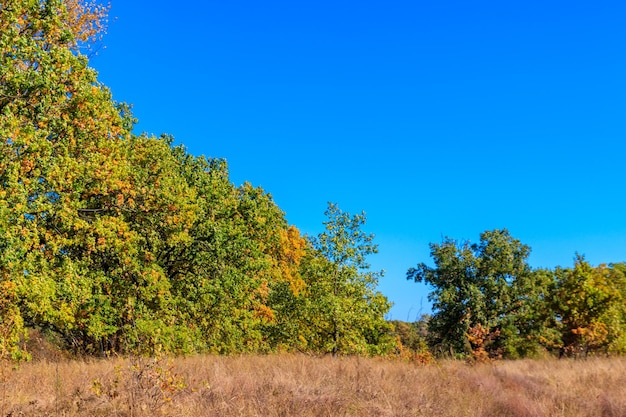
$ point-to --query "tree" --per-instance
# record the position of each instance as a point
(240, 251)
(92, 209)
(120, 249)
(411, 337)
(530, 329)
(589, 304)
(474, 290)
(343, 311)
(61, 137)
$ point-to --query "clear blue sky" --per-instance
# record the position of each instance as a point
(438, 118)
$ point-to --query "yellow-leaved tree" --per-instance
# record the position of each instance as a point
(590, 305)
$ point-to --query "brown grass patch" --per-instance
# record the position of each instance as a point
(299, 385)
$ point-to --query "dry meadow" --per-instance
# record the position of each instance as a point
(299, 385)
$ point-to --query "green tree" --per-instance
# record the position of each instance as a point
(91, 208)
(344, 313)
(475, 290)
(238, 252)
(59, 131)
(120, 249)
(530, 328)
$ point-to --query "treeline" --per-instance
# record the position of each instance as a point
(113, 242)
(489, 303)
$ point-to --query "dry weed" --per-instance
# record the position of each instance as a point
(299, 385)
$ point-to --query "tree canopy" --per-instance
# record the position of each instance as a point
(489, 303)
(117, 242)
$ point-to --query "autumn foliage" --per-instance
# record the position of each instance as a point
(112, 242)
(490, 304)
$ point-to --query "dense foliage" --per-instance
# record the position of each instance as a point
(114, 242)
(489, 303)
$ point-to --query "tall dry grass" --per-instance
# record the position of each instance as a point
(298, 385)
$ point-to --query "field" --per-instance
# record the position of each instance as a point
(299, 385)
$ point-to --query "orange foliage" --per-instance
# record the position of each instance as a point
(86, 19)
(480, 338)
(264, 313)
(292, 247)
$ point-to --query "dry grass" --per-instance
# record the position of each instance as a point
(298, 385)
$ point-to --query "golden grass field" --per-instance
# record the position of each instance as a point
(299, 385)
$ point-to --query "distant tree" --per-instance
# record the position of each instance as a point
(411, 336)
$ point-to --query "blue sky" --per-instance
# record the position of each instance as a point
(442, 118)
